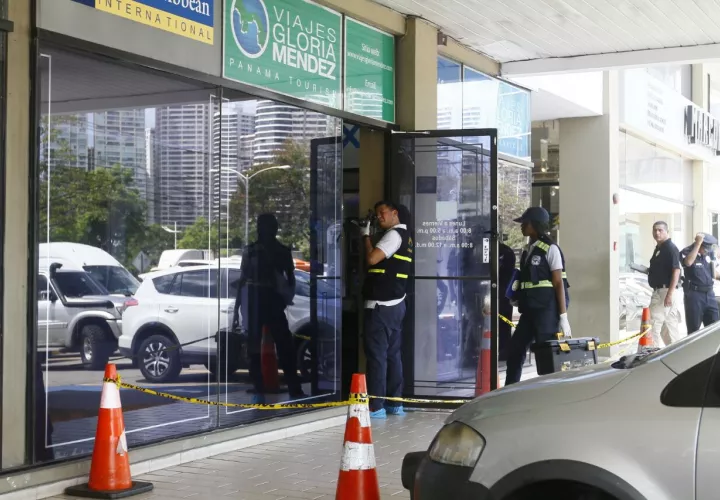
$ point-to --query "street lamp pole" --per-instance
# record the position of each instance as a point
(246, 180)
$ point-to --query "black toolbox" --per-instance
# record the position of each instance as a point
(565, 354)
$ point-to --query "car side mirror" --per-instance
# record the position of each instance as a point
(53, 296)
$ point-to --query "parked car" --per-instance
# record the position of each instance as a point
(180, 305)
(103, 267)
(599, 433)
(76, 313)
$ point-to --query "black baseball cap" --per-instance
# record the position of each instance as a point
(534, 214)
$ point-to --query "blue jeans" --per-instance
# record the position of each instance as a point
(383, 343)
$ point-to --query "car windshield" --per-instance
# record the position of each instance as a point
(77, 284)
(117, 280)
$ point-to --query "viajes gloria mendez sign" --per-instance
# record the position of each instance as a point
(289, 46)
(189, 18)
(702, 128)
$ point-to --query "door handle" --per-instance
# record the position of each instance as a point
(171, 309)
(226, 311)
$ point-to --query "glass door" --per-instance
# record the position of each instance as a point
(448, 180)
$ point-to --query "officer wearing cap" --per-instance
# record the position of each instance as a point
(700, 273)
(542, 292)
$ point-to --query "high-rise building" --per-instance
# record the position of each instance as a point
(276, 123)
(246, 139)
(118, 139)
(226, 158)
(150, 173)
(68, 142)
(182, 163)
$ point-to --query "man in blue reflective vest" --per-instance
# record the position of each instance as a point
(542, 292)
(700, 275)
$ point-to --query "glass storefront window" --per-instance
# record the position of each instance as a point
(157, 223)
(655, 185)
(469, 99)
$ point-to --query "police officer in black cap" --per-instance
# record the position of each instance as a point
(700, 275)
(542, 292)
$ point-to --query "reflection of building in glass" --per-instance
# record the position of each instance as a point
(276, 123)
(246, 138)
(182, 163)
(150, 172)
(69, 144)
(225, 157)
(118, 139)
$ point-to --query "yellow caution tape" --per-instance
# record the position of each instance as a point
(507, 320)
(622, 341)
(354, 399)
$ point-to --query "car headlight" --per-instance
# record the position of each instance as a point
(457, 444)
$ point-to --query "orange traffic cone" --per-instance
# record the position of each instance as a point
(358, 478)
(268, 362)
(646, 341)
(482, 376)
(110, 467)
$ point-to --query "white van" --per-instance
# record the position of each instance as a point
(102, 266)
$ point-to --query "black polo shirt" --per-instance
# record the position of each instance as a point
(665, 259)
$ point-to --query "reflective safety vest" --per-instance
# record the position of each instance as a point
(387, 280)
(535, 278)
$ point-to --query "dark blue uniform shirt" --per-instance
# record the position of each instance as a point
(701, 273)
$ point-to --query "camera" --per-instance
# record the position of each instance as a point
(370, 217)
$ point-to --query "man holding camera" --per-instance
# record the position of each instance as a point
(389, 264)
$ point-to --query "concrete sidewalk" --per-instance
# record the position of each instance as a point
(300, 468)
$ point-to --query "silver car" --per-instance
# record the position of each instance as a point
(76, 313)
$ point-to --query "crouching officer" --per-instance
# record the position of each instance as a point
(542, 293)
(700, 274)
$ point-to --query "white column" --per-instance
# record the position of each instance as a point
(700, 216)
(588, 217)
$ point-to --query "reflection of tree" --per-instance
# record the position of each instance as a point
(99, 208)
(285, 193)
(513, 200)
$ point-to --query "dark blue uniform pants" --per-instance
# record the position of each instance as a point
(700, 308)
(525, 333)
(383, 342)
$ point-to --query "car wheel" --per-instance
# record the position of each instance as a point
(158, 362)
(304, 360)
(96, 347)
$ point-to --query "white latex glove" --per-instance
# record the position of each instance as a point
(564, 325)
(365, 229)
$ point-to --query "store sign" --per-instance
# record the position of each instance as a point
(189, 18)
(369, 71)
(702, 128)
(288, 46)
(657, 111)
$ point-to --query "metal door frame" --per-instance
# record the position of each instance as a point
(391, 148)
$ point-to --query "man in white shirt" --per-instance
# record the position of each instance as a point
(389, 264)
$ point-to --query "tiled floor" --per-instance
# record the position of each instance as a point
(304, 467)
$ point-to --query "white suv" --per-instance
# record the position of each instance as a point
(180, 305)
(644, 428)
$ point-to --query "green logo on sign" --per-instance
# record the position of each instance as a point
(250, 27)
(289, 46)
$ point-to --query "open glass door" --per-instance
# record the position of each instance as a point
(448, 180)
